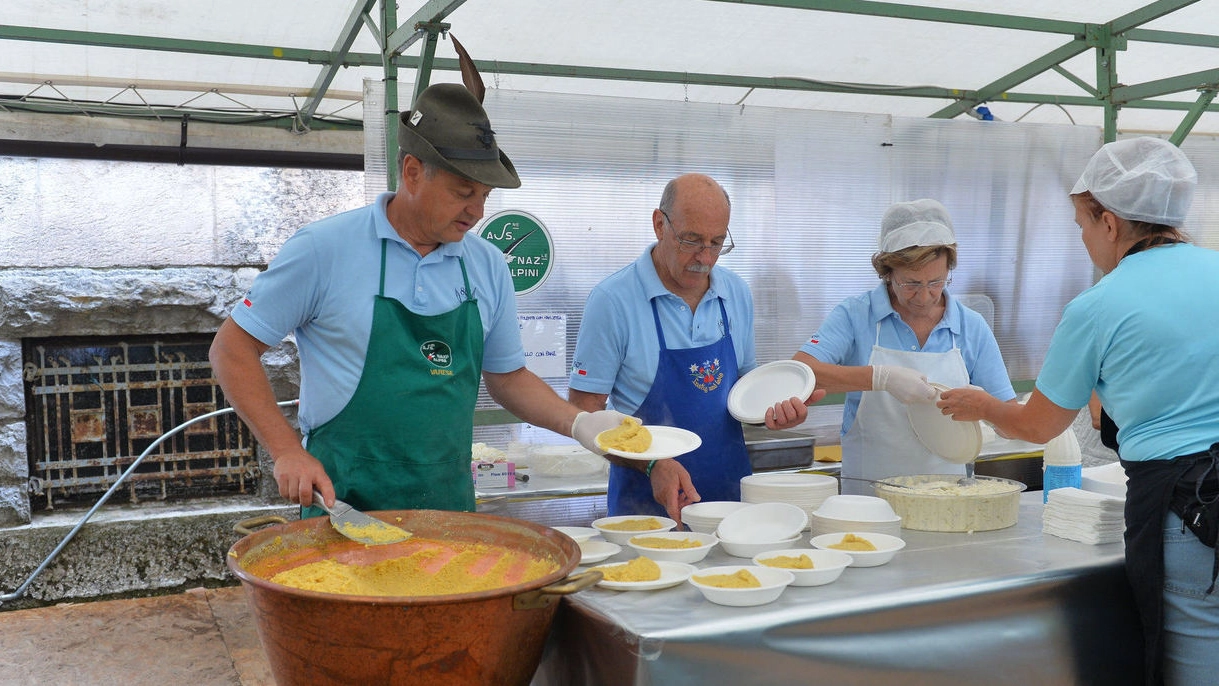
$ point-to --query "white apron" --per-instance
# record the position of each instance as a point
(881, 442)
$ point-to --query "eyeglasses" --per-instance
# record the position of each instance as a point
(912, 287)
(691, 247)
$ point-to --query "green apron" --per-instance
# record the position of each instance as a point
(404, 439)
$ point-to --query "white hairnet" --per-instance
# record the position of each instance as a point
(918, 222)
(1141, 179)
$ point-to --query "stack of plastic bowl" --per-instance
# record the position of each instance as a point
(855, 513)
(704, 517)
(758, 528)
(805, 491)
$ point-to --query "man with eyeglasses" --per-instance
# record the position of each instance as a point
(664, 339)
(896, 338)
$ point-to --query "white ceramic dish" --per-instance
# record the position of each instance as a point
(773, 582)
(886, 547)
(766, 385)
(592, 552)
(828, 565)
(578, 533)
(748, 550)
(952, 441)
(621, 537)
(671, 574)
(667, 441)
(706, 543)
(860, 508)
(762, 523)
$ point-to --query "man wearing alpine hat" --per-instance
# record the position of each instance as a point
(397, 312)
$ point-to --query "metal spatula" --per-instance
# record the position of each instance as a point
(358, 526)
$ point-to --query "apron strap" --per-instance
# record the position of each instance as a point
(660, 333)
(466, 278)
(381, 289)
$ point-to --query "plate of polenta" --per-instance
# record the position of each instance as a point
(634, 441)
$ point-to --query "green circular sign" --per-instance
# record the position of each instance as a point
(526, 244)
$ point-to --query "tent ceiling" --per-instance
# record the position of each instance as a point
(237, 61)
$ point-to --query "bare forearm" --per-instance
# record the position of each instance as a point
(835, 378)
(235, 358)
(523, 394)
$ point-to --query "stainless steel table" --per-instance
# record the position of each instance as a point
(1012, 606)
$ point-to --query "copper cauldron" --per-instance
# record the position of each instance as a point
(485, 637)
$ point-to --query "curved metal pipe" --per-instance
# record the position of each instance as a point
(106, 496)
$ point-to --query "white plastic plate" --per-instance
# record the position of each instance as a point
(671, 574)
(766, 385)
(592, 552)
(667, 441)
(953, 441)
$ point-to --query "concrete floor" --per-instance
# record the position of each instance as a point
(203, 637)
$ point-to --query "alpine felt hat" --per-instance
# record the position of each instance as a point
(449, 128)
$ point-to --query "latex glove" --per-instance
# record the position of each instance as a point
(902, 383)
(588, 424)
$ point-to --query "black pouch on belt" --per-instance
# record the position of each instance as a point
(1196, 500)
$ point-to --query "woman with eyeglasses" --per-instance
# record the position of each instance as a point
(884, 347)
(1144, 336)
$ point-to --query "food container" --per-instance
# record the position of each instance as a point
(934, 502)
(484, 637)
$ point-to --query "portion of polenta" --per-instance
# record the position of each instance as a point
(644, 524)
(742, 578)
(788, 561)
(639, 569)
(630, 437)
(853, 542)
(666, 543)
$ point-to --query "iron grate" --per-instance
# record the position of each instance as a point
(95, 404)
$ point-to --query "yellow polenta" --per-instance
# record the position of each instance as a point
(630, 437)
(666, 543)
(853, 542)
(788, 561)
(741, 578)
(643, 524)
(639, 569)
(425, 568)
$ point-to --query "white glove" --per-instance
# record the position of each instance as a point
(588, 424)
(903, 383)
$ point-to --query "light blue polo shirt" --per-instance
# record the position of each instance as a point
(847, 335)
(322, 283)
(1144, 337)
(617, 350)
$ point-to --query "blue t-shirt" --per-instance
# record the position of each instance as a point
(1146, 337)
(322, 283)
(847, 335)
(617, 350)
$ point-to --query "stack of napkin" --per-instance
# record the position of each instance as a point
(1083, 516)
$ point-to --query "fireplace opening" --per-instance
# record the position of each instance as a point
(94, 404)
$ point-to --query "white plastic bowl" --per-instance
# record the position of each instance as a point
(705, 516)
(762, 522)
(707, 542)
(621, 537)
(860, 508)
(828, 565)
(578, 533)
(886, 547)
(738, 549)
(827, 525)
(773, 582)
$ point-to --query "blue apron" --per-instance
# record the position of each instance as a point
(690, 391)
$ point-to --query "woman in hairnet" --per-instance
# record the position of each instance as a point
(1145, 337)
(896, 338)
